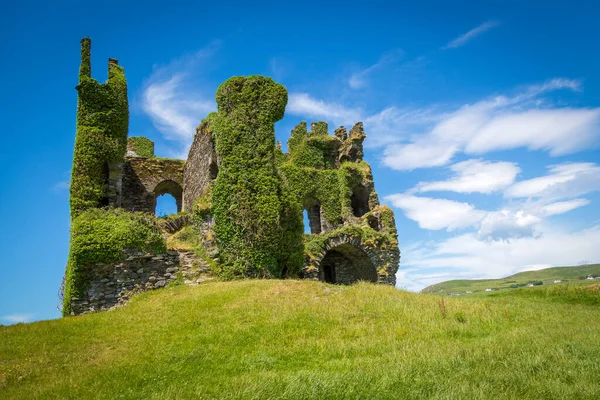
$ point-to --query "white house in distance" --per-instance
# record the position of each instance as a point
(557, 281)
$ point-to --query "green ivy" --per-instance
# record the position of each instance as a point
(248, 202)
(101, 136)
(142, 146)
(99, 236)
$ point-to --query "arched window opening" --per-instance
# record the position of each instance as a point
(314, 218)
(306, 222)
(171, 188)
(165, 205)
(359, 202)
(347, 264)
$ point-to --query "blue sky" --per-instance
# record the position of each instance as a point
(483, 118)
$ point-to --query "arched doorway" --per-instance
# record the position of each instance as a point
(169, 187)
(346, 264)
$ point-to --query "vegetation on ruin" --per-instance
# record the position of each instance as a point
(248, 202)
(101, 137)
(101, 235)
(302, 339)
(142, 146)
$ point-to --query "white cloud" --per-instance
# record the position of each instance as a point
(468, 257)
(562, 207)
(436, 214)
(560, 131)
(498, 123)
(428, 137)
(505, 224)
(304, 104)
(473, 33)
(358, 79)
(172, 99)
(17, 318)
(563, 181)
(410, 156)
(475, 176)
(393, 124)
(173, 113)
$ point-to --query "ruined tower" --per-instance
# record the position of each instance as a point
(101, 137)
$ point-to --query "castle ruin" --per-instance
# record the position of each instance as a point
(239, 197)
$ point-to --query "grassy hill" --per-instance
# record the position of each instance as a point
(267, 339)
(570, 275)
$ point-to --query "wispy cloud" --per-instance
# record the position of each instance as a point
(173, 100)
(466, 256)
(358, 80)
(306, 105)
(563, 181)
(470, 35)
(524, 120)
(436, 214)
(384, 127)
(473, 176)
(517, 220)
(431, 136)
(17, 318)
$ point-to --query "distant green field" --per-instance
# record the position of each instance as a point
(567, 275)
(273, 339)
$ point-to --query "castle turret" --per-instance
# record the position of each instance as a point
(101, 137)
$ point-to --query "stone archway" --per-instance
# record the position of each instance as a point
(347, 264)
(169, 187)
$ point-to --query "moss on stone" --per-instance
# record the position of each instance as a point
(141, 145)
(100, 236)
(248, 203)
(101, 137)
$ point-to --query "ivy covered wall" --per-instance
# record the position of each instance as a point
(251, 209)
(101, 136)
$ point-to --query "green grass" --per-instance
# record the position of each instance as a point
(568, 275)
(267, 339)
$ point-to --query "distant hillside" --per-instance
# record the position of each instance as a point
(274, 339)
(572, 275)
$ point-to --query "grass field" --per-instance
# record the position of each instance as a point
(568, 275)
(270, 339)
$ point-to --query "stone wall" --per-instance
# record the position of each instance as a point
(346, 259)
(201, 167)
(113, 284)
(144, 179)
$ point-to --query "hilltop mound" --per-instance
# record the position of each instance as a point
(301, 339)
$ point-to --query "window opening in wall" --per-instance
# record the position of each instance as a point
(165, 205)
(313, 214)
(306, 222)
(359, 202)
